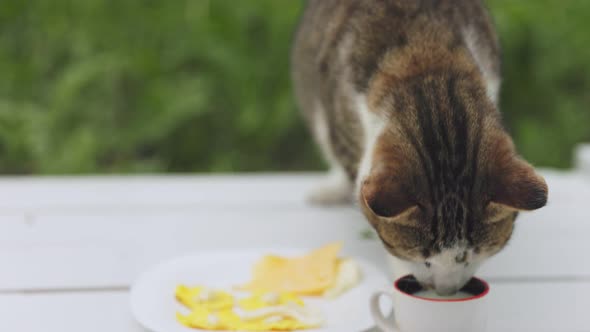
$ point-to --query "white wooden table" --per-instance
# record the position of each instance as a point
(71, 247)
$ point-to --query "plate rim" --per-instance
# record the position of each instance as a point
(142, 277)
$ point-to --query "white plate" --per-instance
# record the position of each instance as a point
(154, 306)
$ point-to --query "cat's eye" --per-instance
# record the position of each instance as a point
(427, 264)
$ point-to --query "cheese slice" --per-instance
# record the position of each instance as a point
(311, 274)
(212, 309)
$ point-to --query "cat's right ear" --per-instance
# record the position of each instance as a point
(515, 184)
(385, 197)
(518, 186)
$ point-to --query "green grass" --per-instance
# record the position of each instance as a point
(99, 86)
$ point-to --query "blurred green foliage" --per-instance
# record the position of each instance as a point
(546, 68)
(203, 85)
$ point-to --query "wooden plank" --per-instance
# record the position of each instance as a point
(130, 193)
(540, 307)
(103, 251)
(111, 250)
(13, 221)
(567, 189)
(542, 253)
(582, 158)
(47, 195)
(70, 312)
(63, 267)
(513, 308)
(106, 247)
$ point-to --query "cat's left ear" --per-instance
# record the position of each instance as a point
(385, 198)
(518, 186)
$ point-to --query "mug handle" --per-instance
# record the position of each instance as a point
(378, 317)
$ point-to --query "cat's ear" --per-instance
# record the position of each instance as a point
(517, 185)
(384, 196)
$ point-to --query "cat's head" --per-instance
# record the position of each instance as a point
(445, 183)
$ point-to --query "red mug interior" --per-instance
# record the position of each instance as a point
(409, 286)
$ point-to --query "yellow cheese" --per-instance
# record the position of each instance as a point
(193, 297)
(273, 302)
(311, 274)
(218, 310)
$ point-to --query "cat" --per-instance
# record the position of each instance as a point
(402, 98)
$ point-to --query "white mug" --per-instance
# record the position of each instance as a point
(418, 314)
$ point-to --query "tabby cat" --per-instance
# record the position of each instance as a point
(402, 98)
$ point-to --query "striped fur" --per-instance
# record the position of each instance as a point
(406, 92)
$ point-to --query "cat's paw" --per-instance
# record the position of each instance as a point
(332, 191)
(330, 195)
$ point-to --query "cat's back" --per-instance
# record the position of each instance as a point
(333, 34)
(340, 46)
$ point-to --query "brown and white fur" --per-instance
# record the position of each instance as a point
(402, 98)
